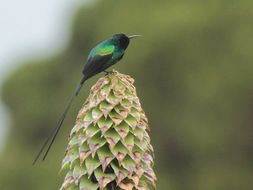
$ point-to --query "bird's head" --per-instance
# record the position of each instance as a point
(123, 40)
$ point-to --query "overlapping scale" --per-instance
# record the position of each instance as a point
(109, 146)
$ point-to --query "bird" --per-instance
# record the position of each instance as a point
(100, 58)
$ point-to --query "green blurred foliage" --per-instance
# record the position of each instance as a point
(194, 75)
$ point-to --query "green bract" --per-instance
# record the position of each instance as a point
(109, 147)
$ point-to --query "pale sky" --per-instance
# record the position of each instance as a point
(31, 28)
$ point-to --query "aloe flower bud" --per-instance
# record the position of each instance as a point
(109, 147)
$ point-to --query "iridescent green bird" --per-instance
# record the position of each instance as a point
(102, 56)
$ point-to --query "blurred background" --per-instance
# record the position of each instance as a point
(194, 76)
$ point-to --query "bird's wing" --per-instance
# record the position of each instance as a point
(95, 64)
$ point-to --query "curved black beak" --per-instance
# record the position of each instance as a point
(134, 36)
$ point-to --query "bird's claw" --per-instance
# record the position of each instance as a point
(107, 72)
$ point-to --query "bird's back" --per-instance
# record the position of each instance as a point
(103, 48)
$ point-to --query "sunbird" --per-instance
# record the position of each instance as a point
(101, 57)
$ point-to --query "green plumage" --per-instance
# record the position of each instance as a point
(102, 49)
(105, 54)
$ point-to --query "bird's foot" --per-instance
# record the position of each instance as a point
(107, 72)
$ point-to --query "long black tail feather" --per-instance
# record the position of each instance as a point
(56, 130)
